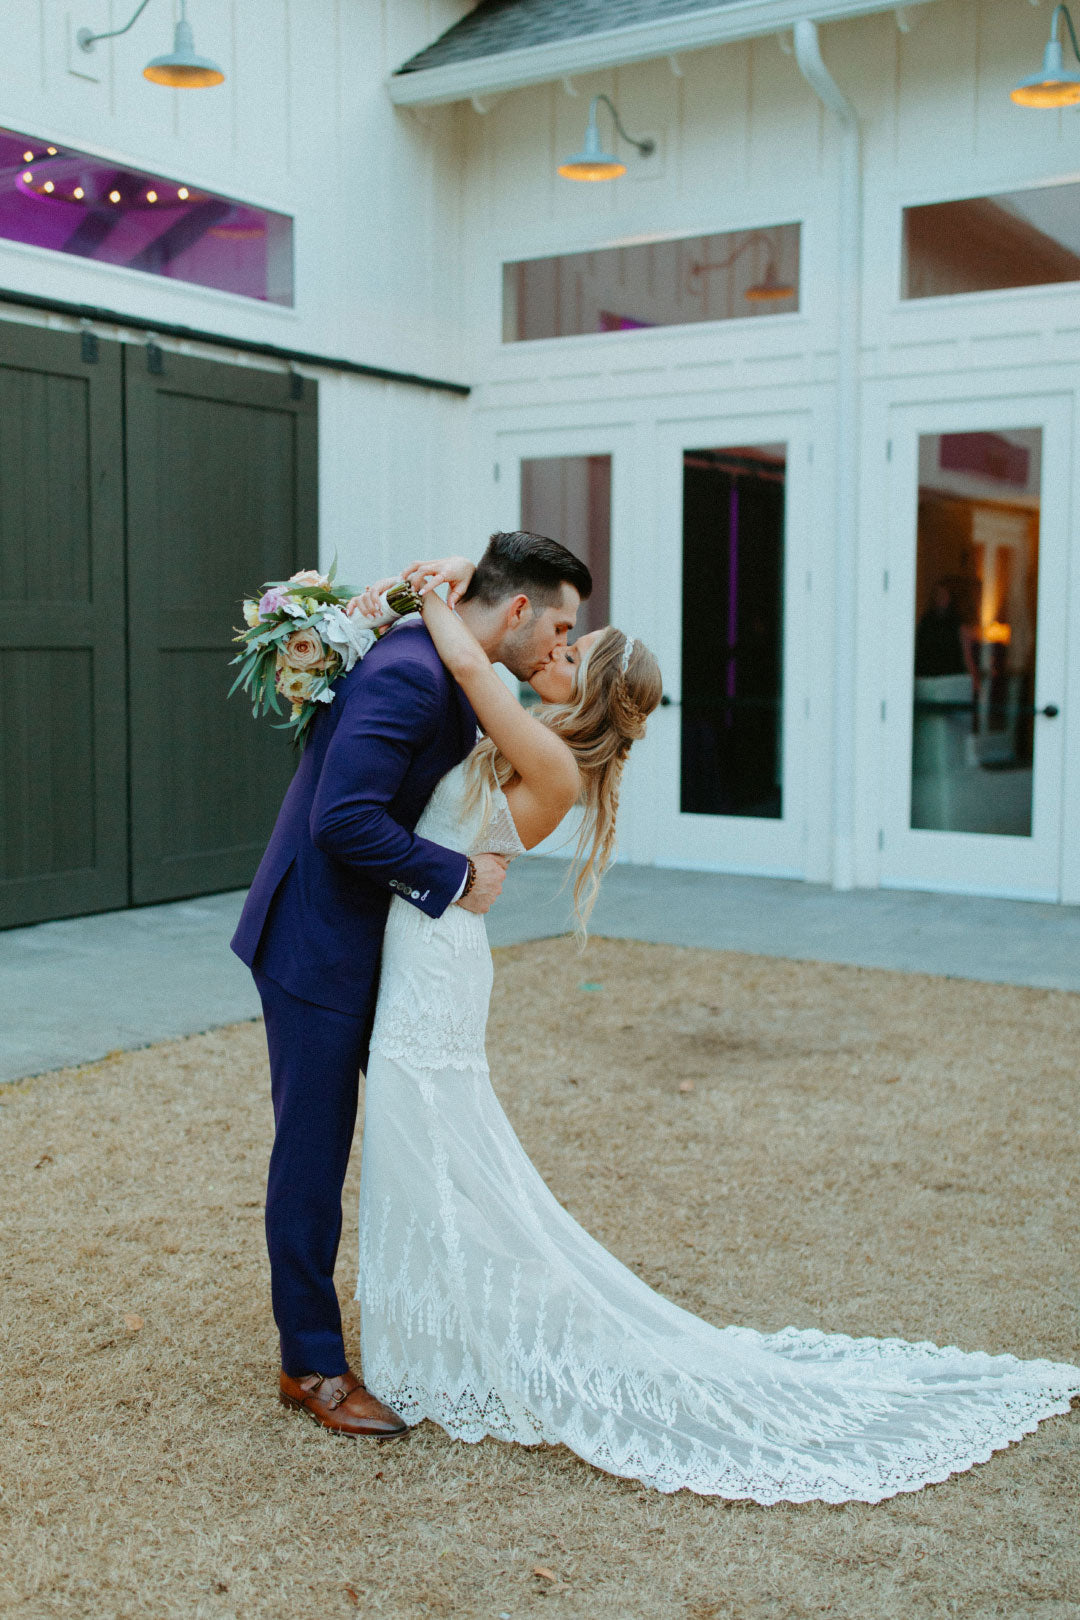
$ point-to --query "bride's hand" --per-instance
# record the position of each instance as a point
(367, 604)
(456, 572)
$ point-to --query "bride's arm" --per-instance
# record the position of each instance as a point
(549, 783)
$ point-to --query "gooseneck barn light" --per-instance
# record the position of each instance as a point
(770, 289)
(592, 162)
(181, 68)
(1053, 85)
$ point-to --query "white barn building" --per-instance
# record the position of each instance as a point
(800, 383)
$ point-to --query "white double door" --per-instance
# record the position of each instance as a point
(975, 591)
(711, 561)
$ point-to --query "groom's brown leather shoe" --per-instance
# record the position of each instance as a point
(342, 1404)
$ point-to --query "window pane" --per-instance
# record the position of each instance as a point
(55, 197)
(1016, 239)
(702, 278)
(733, 631)
(976, 592)
(568, 498)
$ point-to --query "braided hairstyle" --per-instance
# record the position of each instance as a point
(616, 687)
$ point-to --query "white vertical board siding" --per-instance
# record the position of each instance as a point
(393, 467)
(302, 124)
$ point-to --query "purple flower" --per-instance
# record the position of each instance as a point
(272, 602)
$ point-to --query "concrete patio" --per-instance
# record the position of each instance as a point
(74, 990)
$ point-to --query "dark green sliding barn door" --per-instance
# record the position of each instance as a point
(222, 494)
(63, 737)
(137, 508)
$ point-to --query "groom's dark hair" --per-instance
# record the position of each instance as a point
(527, 564)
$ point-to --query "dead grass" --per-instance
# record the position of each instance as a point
(864, 1151)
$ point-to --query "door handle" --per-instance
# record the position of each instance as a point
(1050, 710)
(667, 702)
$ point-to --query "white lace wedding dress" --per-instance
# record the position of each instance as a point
(488, 1309)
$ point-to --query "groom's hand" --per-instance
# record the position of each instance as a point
(490, 873)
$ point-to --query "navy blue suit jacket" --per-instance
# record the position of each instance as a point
(314, 917)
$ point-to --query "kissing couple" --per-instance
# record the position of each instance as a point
(485, 1307)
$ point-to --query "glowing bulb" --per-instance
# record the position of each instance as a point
(28, 157)
(49, 187)
(28, 178)
(51, 151)
(114, 196)
(78, 193)
(183, 194)
(151, 196)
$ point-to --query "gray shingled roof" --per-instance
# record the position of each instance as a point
(511, 25)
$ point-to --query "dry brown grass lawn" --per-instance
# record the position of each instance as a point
(872, 1152)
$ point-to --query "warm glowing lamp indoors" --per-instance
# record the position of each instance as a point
(182, 67)
(770, 289)
(592, 162)
(1053, 85)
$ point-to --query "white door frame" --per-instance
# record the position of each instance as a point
(776, 848)
(972, 863)
(505, 445)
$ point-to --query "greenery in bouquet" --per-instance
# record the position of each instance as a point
(298, 640)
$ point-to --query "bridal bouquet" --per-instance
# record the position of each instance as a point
(299, 639)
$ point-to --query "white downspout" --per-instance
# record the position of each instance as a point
(849, 287)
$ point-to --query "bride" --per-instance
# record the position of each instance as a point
(485, 1307)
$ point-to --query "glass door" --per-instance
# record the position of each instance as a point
(732, 778)
(975, 593)
(570, 485)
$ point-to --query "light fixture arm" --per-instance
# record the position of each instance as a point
(646, 147)
(748, 241)
(1063, 11)
(87, 39)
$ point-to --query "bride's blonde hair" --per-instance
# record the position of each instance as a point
(616, 687)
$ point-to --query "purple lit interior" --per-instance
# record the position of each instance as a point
(200, 237)
(733, 594)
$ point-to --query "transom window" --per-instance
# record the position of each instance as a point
(983, 244)
(722, 277)
(56, 197)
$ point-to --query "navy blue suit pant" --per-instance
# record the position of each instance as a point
(316, 1055)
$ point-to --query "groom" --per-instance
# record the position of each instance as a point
(312, 925)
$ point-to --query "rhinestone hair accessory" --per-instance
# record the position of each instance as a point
(628, 649)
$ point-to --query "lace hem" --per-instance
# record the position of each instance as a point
(473, 1414)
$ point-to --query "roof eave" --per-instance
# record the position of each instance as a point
(539, 64)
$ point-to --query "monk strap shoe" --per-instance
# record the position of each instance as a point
(341, 1404)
